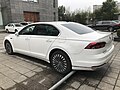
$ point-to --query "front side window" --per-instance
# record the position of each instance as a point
(9, 25)
(29, 30)
(46, 30)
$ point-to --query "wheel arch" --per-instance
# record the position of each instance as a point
(6, 40)
(58, 49)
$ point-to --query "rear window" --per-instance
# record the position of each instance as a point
(24, 23)
(78, 28)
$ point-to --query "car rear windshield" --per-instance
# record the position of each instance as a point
(78, 28)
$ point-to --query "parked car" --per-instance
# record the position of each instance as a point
(13, 27)
(118, 21)
(106, 25)
(66, 45)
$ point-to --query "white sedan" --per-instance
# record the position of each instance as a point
(66, 45)
(13, 27)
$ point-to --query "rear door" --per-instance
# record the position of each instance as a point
(106, 25)
(44, 37)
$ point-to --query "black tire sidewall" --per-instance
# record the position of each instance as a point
(68, 68)
(10, 53)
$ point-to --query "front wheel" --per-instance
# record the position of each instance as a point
(60, 62)
(7, 30)
(8, 48)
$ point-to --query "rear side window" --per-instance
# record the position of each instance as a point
(78, 28)
(46, 30)
(105, 22)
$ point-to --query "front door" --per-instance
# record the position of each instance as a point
(44, 38)
(21, 42)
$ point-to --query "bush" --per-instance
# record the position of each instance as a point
(118, 32)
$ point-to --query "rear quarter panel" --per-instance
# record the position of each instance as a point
(69, 46)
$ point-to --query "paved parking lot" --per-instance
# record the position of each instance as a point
(19, 72)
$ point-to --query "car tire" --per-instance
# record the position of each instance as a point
(16, 30)
(60, 62)
(8, 48)
(7, 30)
(110, 29)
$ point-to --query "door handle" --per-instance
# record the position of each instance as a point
(27, 39)
(48, 40)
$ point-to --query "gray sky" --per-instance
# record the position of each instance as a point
(80, 4)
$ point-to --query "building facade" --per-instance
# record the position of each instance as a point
(28, 10)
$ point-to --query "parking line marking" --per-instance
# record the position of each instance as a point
(42, 80)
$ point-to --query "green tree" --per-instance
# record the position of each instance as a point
(61, 13)
(107, 11)
(97, 14)
(80, 16)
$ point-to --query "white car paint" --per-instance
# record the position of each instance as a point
(70, 42)
(11, 27)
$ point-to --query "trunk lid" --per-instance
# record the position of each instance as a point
(99, 37)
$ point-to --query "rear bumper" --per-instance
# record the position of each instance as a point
(95, 62)
(92, 68)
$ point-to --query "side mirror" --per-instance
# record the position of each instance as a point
(16, 34)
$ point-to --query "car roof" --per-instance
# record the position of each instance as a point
(107, 21)
(57, 22)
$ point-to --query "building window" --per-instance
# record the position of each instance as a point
(54, 16)
(54, 3)
(31, 0)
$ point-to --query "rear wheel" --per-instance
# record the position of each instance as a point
(60, 62)
(8, 48)
(110, 29)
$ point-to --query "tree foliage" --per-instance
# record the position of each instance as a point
(107, 11)
(74, 16)
(61, 12)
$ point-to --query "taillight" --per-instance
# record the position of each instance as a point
(95, 45)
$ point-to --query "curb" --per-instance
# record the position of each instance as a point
(2, 31)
